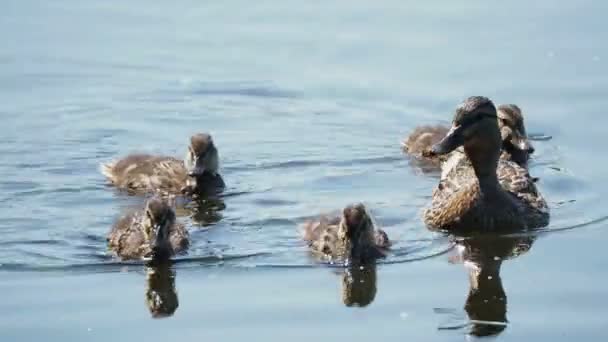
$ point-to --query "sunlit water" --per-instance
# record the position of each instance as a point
(307, 103)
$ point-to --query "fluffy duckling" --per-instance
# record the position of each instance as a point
(197, 173)
(515, 143)
(350, 238)
(488, 193)
(149, 233)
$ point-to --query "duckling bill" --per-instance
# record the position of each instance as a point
(197, 173)
(149, 233)
(350, 238)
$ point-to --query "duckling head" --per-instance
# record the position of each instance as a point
(159, 217)
(475, 126)
(356, 228)
(202, 156)
(513, 132)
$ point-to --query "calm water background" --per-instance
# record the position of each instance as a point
(307, 102)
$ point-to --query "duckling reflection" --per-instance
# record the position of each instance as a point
(206, 211)
(161, 297)
(486, 303)
(359, 285)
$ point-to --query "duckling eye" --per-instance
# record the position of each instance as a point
(149, 214)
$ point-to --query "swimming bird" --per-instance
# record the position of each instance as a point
(515, 143)
(487, 193)
(196, 174)
(149, 233)
(350, 238)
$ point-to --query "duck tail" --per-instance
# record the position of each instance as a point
(107, 169)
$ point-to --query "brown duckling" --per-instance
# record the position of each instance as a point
(197, 173)
(487, 193)
(149, 233)
(350, 238)
(515, 146)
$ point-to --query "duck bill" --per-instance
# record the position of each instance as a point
(453, 139)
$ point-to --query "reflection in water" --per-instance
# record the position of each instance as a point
(486, 304)
(161, 296)
(359, 285)
(204, 211)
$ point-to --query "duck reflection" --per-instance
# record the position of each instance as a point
(486, 303)
(161, 297)
(359, 285)
(204, 211)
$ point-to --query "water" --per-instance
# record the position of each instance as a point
(307, 103)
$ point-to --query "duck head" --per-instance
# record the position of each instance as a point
(158, 220)
(475, 126)
(202, 156)
(356, 228)
(514, 138)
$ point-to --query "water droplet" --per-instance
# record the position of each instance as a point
(489, 277)
(403, 315)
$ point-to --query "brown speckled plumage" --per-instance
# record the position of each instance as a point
(133, 235)
(515, 147)
(351, 237)
(484, 193)
(144, 173)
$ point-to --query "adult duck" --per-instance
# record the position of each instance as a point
(487, 193)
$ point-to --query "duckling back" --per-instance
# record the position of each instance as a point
(147, 173)
(421, 139)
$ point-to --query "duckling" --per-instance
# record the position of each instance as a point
(196, 174)
(487, 193)
(350, 238)
(149, 233)
(515, 143)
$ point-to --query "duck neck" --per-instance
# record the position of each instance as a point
(485, 163)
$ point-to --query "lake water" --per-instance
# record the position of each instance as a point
(307, 103)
